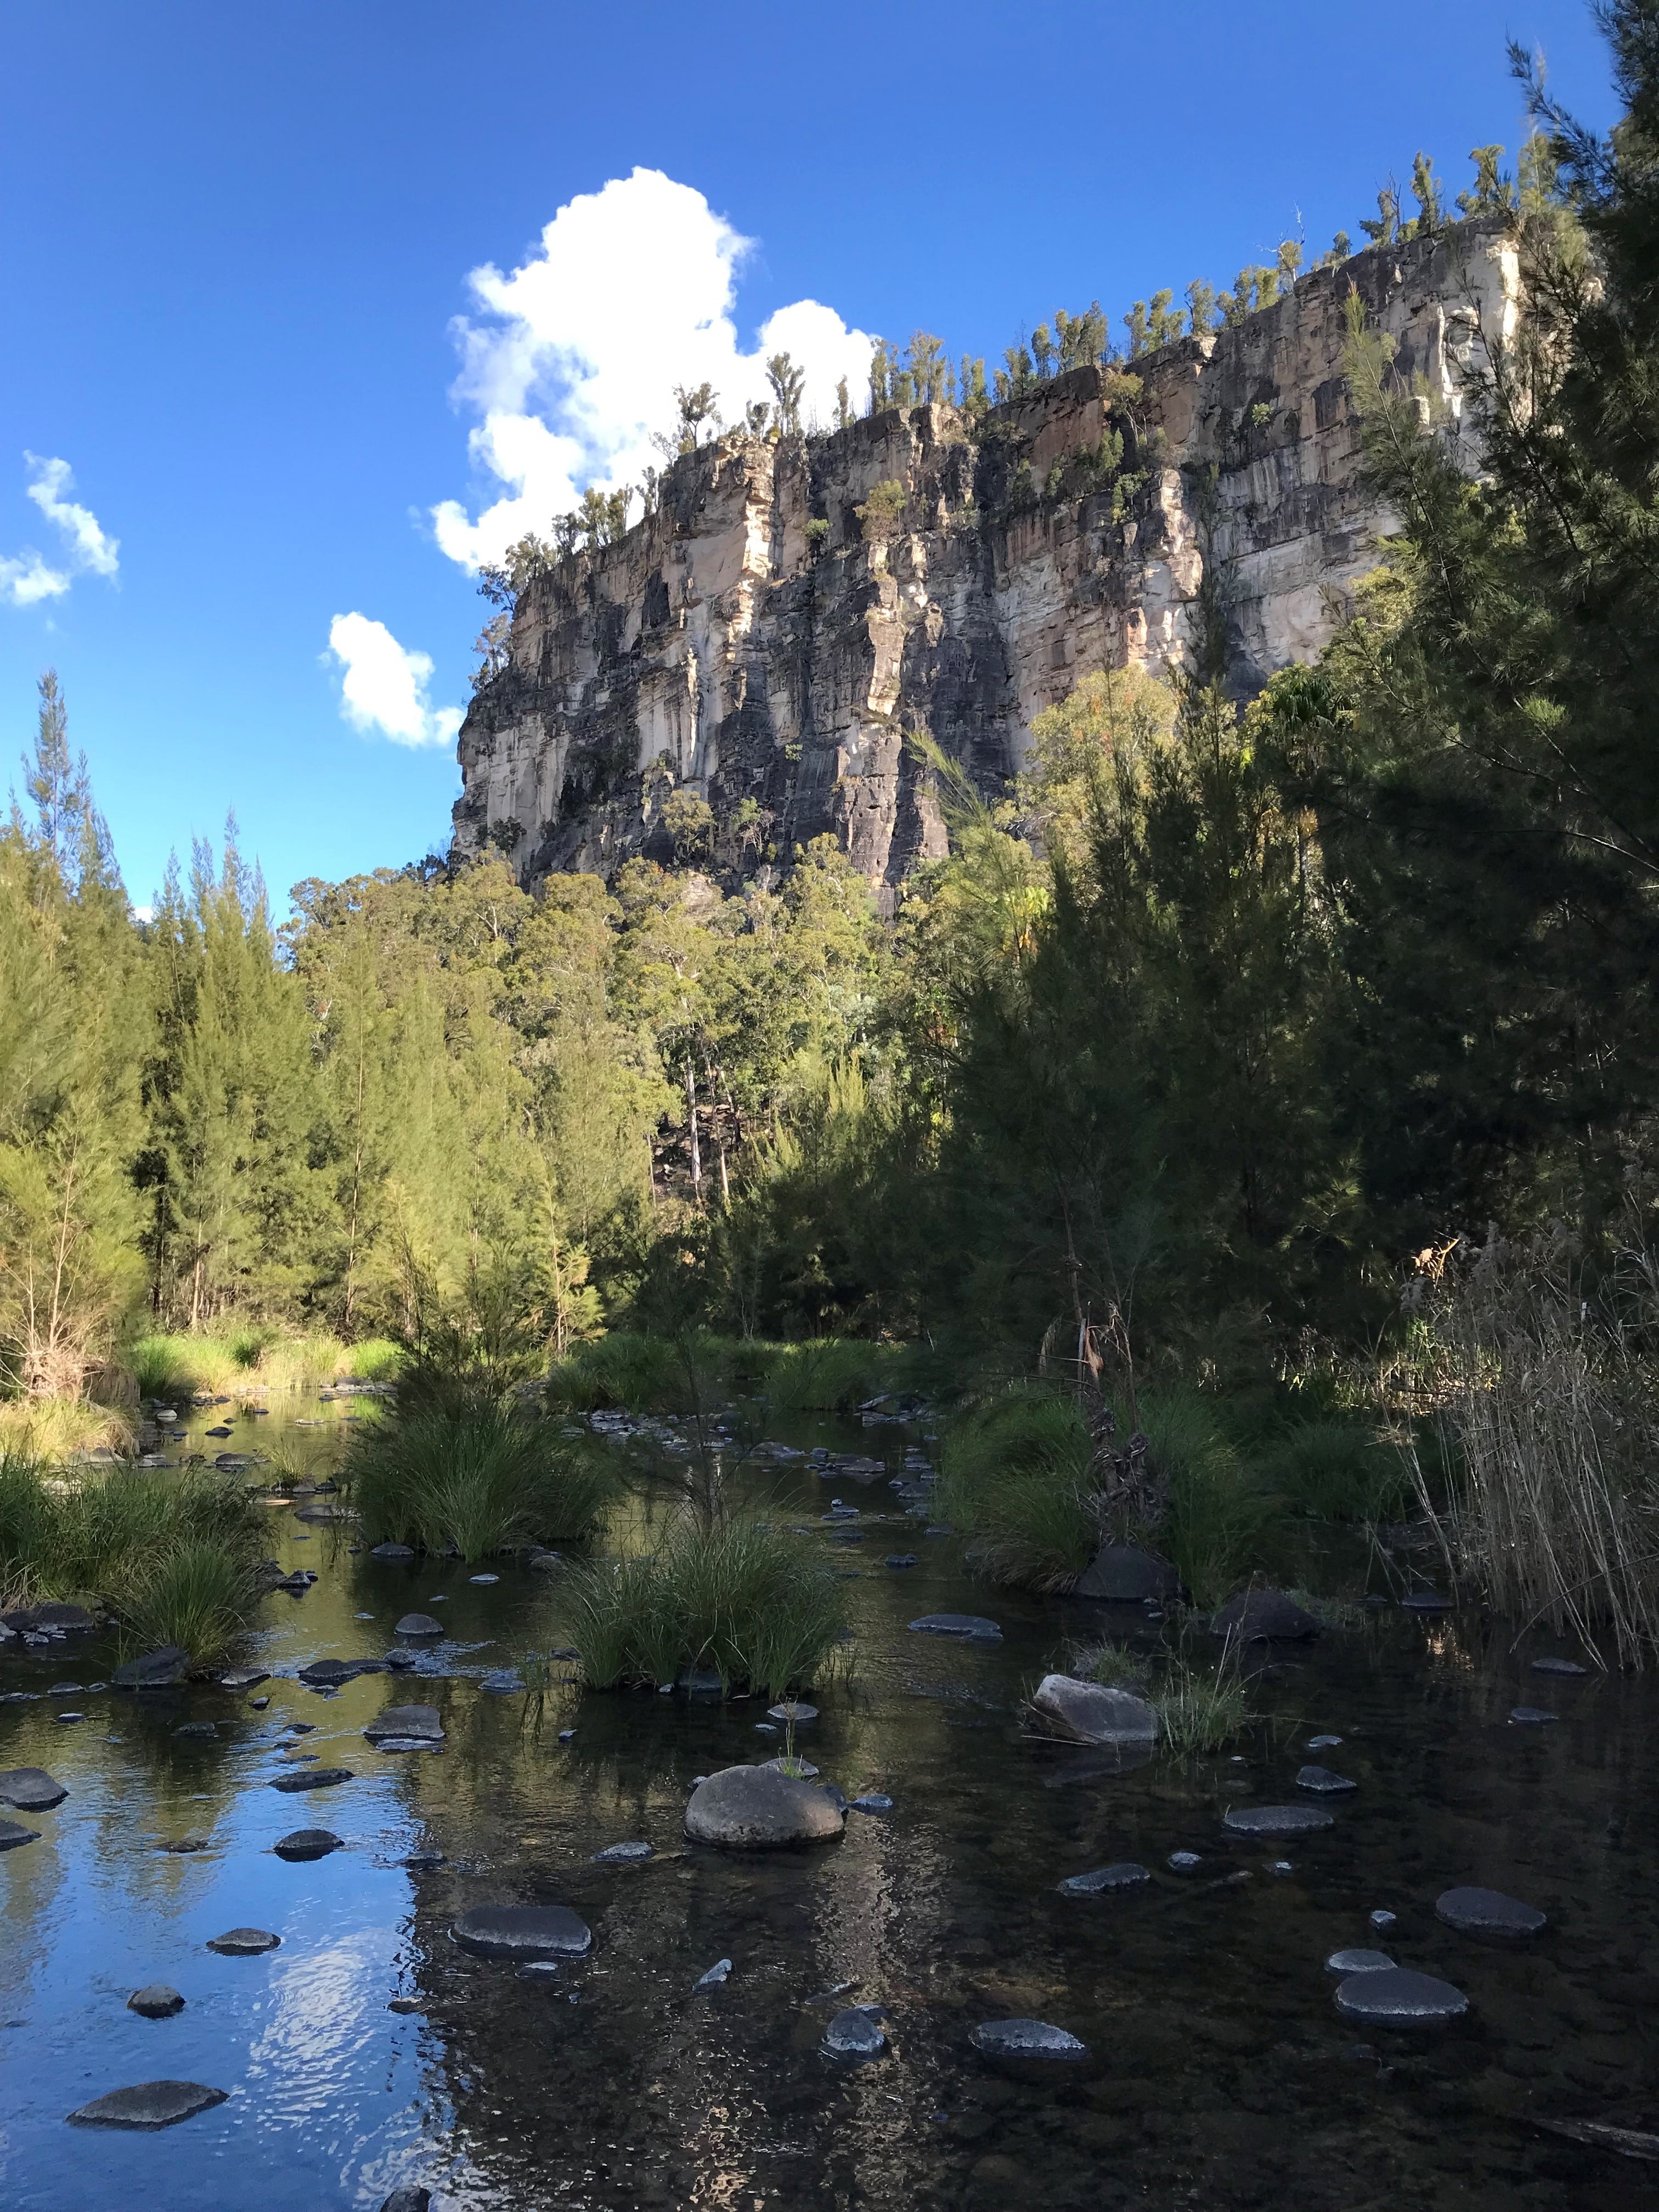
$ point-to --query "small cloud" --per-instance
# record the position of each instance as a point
(385, 687)
(572, 362)
(27, 578)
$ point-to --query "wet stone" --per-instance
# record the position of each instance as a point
(1396, 1997)
(1259, 1616)
(759, 1808)
(243, 1942)
(1358, 1962)
(68, 1720)
(391, 1552)
(419, 1625)
(900, 1559)
(1531, 1716)
(1092, 1712)
(402, 1723)
(243, 1678)
(1426, 1602)
(854, 2035)
(319, 1777)
(149, 2105)
(1488, 1912)
(307, 1844)
(330, 1673)
(196, 1731)
(624, 1854)
(13, 1835)
(152, 1670)
(873, 1800)
(1323, 1742)
(502, 1682)
(400, 1662)
(155, 2001)
(1122, 1574)
(195, 1839)
(1125, 1875)
(1184, 1862)
(1381, 1921)
(1323, 1781)
(408, 2199)
(1558, 1667)
(973, 1626)
(523, 1931)
(484, 1581)
(31, 1790)
(1275, 1819)
(1028, 2039)
(715, 1978)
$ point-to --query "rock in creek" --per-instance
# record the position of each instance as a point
(400, 1662)
(1397, 1997)
(13, 1835)
(1487, 1913)
(1323, 1781)
(757, 1809)
(243, 1942)
(718, 1975)
(624, 1854)
(307, 1844)
(243, 1678)
(802, 1769)
(152, 1670)
(1259, 1616)
(316, 1778)
(1426, 1602)
(1125, 1875)
(155, 2001)
(853, 2034)
(1090, 1712)
(1276, 1820)
(523, 1931)
(391, 1552)
(31, 1790)
(1558, 1667)
(1532, 1717)
(790, 1710)
(973, 1626)
(873, 1800)
(149, 2105)
(404, 1721)
(1121, 1574)
(418, 1624)
(1025, 2039)
(1359, 1962)
(329, 1674)
(408, 2199)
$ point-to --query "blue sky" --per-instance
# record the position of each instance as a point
(236, 242)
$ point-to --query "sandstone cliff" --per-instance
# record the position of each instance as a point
(757, 642)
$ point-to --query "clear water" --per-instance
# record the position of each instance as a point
(1221, 2073)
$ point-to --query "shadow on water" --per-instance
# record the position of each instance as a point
(1220, 2074)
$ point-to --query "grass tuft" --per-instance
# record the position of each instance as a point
(1015, 1477)
(1200, 1709)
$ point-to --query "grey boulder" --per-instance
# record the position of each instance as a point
(1323, 1781)
(13, 1835)
(244, 1942)
(391, 1552)
(973, 1626)
(1027, 2039)
(1487, 1913)
(301, 1844)
(853, 2034)
(1125, 1875)
(310, 1777)
(149, 2105)
(1275, 1819)
(31, 1790)
(1259, 1616)
(1397, 1997)
(757, 1809)
(523, 1931)
(1122, 1574)
(410, 2198)
(405, 1721)
(1090, 1712)
(418, 1624)
(152, 1670)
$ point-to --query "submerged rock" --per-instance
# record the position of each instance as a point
(1027, 2039)
(853, 2034)
(317, 1777)
(330, 1673)
(155, 2001)
(624, 1854)
(1488, 1912)
(1558, 1667)
(873, 1800)
(1276, 1820)
(1122, 1574)
(243, 1942)
(1259, 1616)
(410, 2198)
(1395, 1996)
(973, 1626)
(1359, 1962)
(1532, 1717)
(1090, 1712)
(418, 1624)
(404, 1722)
(1125, 1875)
(149, 2105)
(523, 1931)
(1323, 1781)
(153, 1670)
(391, 1551)
(31, 1790)
(13, 1835)
(307, 1844)
(759, 1808)
(715, 1978)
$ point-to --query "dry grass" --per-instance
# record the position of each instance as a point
(62, 1428)
(1546, 1392)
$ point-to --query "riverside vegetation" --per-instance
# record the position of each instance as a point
(1208, 1086)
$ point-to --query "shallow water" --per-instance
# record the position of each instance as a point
(1221, 2073)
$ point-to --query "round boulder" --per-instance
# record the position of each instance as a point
(1261, 1616)
(155, 2001)
(310, 1777)
(243, 1942)
(1487, 1913)
(1090, 1712)
(152, 1670)
(1024, 2040)
(853, 2034)
(1122, 1574)
(1323, 1781)
(757, 1809)
(31, 1790)
(1358, 1962)
(13, 1835)
(523, 1931)
(1396, 1997)
(416, 1624)
(405, 1721)
(307, 1844)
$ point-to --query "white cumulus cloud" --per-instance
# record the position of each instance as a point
(27, 577)
(572, 361)
(385, 686)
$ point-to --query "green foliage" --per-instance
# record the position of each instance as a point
(1216, 1510)
(199, 1597)
(1334, 1470)
(454, 1464)
(1201, 1709)
(882, 507)
(1114, 1665)
(732, 1598)
(1016, 1479)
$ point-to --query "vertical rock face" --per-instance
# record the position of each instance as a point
(795, 609)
